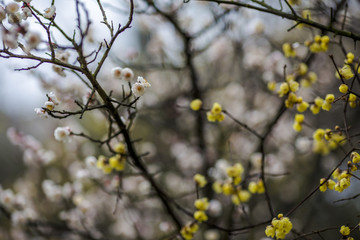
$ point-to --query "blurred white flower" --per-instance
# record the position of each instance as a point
(50, 12)
(215, 208)
(62, 56)
(52, 97)
(62, 134)
(144, 82)
(138, 89)
(41, 113)
(59, 70)
(49, 105)
(12, 8)
(10, 40)
(116, 71)
(7, 198)
(26, 12)
(127, 74)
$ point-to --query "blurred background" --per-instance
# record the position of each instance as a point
(234, 53)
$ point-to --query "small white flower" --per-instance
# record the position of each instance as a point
(32, 40)
(14, 18)
(50, 12)
(12, 8)
(52, 97)
(127, 74)
(62, 134)
(59, 70)
(41, 113)
(10, 40)
(144, 82)
(26, 13)
(62, 56)
(138, 89)
(49, 105)
(116, 71)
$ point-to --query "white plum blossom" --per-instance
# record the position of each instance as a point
(7, 198)
(12, 8)
(52, 97)
(63, 56)
(52, 191)
(32, 40)
(116, 72)
(50, 12)
(144, 82)
(10, 40)
(59, 70)
(127, 74)
(49, 105)
(62, 134)
(26, 12)
(21, 217)
(41, 113)
(138, 89)
(14, 18)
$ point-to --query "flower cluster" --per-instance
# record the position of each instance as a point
(279, 227)
(231, 185)
(116, 162)
(318, 44)
(215, 114)
(345, 72)
(138, 88)
(34, 153)
(188, 231)
(48, 105)
(340, 183)
(256, 187)
(18, 206)
(201, 205)
(326, 140)
(200, 180)
(123, 73)
(298, 121)
(289, 50)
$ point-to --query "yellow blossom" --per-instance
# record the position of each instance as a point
(302, 107)
(283, 89)
(355, 157)
(349, 57)
(288, 50)
(200, 216)
(103, 164)
(352, 97)
(201, 204)
(343, 88)
(196, 104)
(217, 187)
(344, 230)
(120, 148)
(279, 227)
(271, 86)
(345, 72)
(215, 113)
(302, 69)
(117, 162)
(200, 180)
(227, 188)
